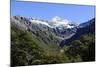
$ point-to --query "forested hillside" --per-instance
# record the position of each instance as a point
(33, 44)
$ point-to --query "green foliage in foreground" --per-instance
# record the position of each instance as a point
(28, 50)
(84, 48)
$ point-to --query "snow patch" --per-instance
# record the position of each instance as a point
(40, 22)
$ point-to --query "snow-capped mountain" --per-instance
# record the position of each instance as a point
(59, 22)
(55, 22)
(35, 21)
(85, 28)
(61, 28)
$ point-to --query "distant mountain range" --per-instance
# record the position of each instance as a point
(57, 31)
(84, 28)
(35, 41)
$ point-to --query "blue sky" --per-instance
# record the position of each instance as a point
(46, 11)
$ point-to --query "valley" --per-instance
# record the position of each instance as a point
(35, 41)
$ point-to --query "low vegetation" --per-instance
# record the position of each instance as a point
(27, 50)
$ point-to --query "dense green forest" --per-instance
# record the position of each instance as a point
(26, 49)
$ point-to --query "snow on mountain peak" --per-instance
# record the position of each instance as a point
(55, 22)
(59, 21)
(39, 22)
(56, 19)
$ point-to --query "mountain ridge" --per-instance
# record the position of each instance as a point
(35, 43)
(87, 28)
(60, 32)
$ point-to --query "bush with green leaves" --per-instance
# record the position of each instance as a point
(84, 48)
(27, 50)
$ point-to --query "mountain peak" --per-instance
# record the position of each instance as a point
(58, 20)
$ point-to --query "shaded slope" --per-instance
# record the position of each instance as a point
(89, 28)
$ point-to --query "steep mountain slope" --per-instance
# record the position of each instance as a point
(26, 49)
(41, 31)
(84, 28)
(35, 42)
(87, 23)
(51, 32)
(63, 27)
(56, 31)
